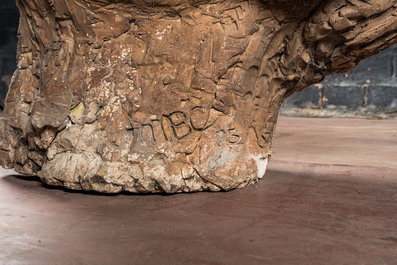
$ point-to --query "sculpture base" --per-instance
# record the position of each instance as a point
(76, 158)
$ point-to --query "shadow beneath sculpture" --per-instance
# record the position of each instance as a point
(23, 182)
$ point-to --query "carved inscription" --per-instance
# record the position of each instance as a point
(229, 135)
(145, 134)
(179, 125)
(232, 136)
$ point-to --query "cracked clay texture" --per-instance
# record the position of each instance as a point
(170, 96)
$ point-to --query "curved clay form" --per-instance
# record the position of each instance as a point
(170, 95)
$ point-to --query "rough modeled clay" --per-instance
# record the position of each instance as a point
(170, 95)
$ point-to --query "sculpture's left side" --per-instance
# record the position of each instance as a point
(134, 96)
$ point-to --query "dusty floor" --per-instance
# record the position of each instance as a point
(329, 197)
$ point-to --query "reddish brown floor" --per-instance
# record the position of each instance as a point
(329, 197)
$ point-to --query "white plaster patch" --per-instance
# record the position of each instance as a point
(132, 158)
(69, 124)
(261, 164)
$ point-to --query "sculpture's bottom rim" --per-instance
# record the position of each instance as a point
(119, 177)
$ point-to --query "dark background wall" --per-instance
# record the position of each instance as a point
(369, 89)
(9, 18)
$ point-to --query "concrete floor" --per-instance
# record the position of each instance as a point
(329, 197)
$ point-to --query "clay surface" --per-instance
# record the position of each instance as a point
(170, 96)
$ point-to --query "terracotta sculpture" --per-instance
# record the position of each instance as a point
(171, 95)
